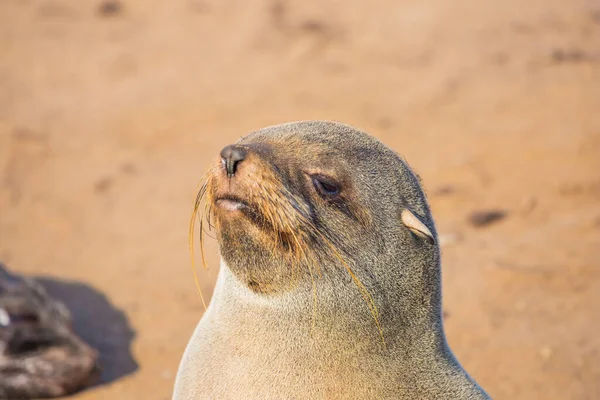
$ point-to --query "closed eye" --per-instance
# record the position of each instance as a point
(325, 186)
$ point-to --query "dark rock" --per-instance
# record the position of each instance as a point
(41, 356)
(486, 217)
(569, 55)
(110, 8)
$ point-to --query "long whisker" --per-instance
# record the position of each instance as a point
(300, 257)
(361, 287)
(314, 287)
(199, 197)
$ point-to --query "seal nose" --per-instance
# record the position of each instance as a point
(232, 155)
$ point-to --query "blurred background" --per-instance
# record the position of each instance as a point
(110, 111)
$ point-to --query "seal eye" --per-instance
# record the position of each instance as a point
(325, 186)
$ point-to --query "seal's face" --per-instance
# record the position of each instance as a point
(294, 200)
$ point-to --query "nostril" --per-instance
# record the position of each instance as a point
(231, 156)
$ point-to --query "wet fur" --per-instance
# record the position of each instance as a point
(362, 318)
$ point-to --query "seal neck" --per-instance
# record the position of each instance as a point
(339, 315)
(339, 334)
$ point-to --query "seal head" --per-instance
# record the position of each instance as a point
(282, 214)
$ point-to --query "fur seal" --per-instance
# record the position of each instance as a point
(329, 286)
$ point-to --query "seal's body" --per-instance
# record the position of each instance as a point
(330, 279)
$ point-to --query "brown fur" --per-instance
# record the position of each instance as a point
(322, 296)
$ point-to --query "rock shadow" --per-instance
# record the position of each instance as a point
(99, 323)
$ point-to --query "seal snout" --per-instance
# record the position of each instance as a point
(231, 156)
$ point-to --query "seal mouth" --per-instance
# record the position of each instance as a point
(231, 203)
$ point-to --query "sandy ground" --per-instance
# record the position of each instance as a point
(109, 114)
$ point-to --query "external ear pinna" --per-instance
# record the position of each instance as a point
(415, 225)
